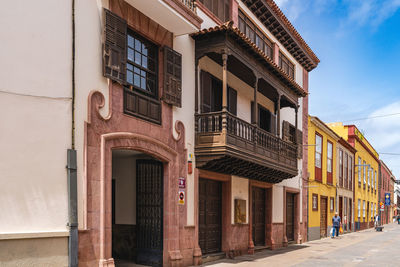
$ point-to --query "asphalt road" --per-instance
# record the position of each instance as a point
(364, 248)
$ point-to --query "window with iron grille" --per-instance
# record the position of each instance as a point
(142, 64)
(286, 65)
(255, 35)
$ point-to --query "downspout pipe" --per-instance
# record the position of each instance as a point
(72, 168)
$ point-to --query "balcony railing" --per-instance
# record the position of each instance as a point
(212, 122)
(190, 4)
(244, 140)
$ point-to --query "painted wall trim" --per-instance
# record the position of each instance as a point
(31, 235)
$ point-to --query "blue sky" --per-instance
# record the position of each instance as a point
(358, 43)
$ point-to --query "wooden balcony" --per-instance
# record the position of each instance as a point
(227, 144)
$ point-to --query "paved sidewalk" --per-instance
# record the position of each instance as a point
(364, 248)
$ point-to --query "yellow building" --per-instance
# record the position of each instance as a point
(322, 178)
(366, 172)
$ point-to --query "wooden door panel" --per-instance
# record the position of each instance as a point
(323, 216)
(210, 198)
(258, 214)
(290, 216)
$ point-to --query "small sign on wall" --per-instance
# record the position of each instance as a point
(240, 211)
(181, 197)
(181, 183)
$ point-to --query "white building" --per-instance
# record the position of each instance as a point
(156, 110)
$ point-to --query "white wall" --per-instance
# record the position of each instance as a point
(89, 77)
(185, 45)
(35, 132)
(240, 190)
(277, 204)
(245, 93)
(207, 21)
(124, 174)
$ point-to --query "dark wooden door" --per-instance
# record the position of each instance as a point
(324, 216)
(258, 216)
(341, 208)
(350, 213)
(149, 212)
(210, 198)
(290, 209)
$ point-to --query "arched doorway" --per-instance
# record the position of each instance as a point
(137, 208)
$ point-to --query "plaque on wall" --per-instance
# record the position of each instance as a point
(240, 211)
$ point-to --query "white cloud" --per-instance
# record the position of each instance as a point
(384, 134)
(371, 12)
(281, 3)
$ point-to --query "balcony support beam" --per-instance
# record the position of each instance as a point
(224, 80)
(224, 89)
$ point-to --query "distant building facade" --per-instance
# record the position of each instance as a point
(366, 169)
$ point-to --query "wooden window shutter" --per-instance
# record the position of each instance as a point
(286, 131)
(273, 124)
(114, 47)
(172, 93)
(299, 142)
(232, 101)
(205, 88)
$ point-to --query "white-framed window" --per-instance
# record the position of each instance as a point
(329, 157)
(359, 208)
(359, 169)
(314, 201)
(375, 209)
(364, 209)
(350, 172)
(369, 170)
(318, 151)
(376, 179)
(332, 203)
(372, 178)
(364, 170)
(372, 210)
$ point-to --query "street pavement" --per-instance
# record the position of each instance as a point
(364, 248)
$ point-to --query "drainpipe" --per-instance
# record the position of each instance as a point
(71, 169)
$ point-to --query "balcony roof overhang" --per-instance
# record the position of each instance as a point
(268, 12)
(228, 37)
(228, 162)
(173, 15)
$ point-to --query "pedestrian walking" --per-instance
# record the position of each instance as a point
(376, 221)
(335, 225)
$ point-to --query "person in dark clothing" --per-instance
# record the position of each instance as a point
(336, 224)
